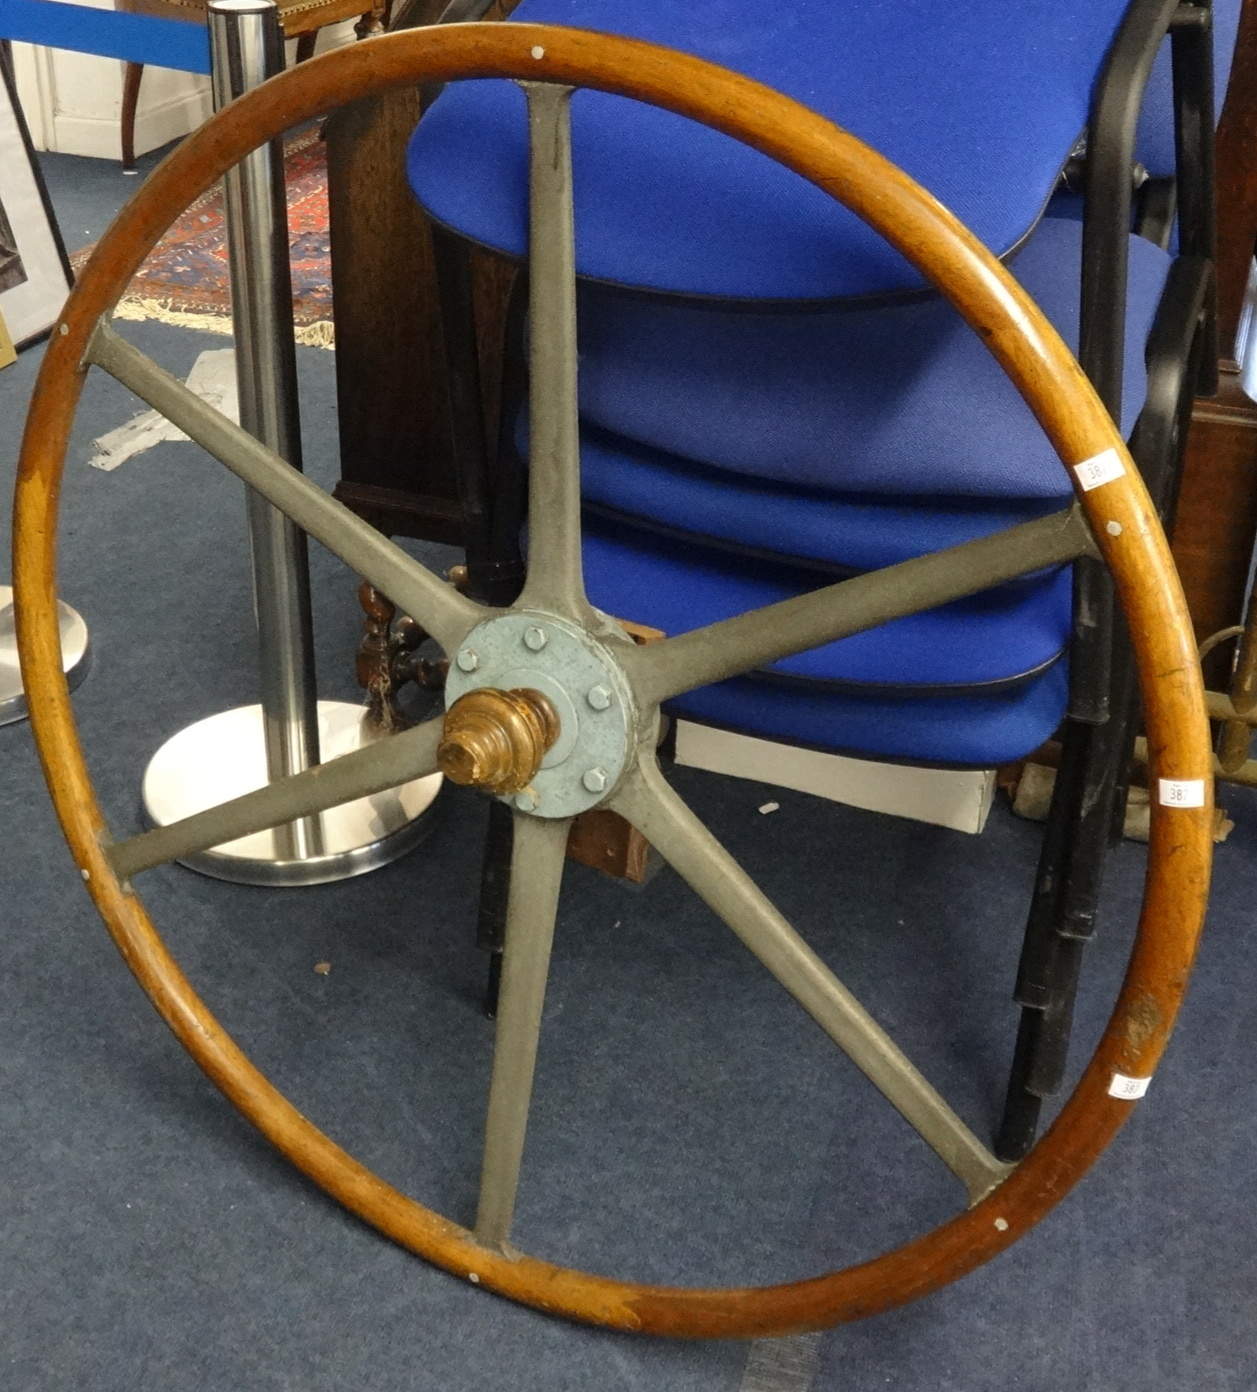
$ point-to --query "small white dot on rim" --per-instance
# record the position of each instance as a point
(1002, 1224)
(1113, 528)
(65, 329)
(473, 1278)
(539, 52)
(87, 874)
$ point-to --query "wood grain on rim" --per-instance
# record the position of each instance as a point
(1047, 375)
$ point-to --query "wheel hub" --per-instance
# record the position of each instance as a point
(523, 670)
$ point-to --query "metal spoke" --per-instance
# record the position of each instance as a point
(555, 580)
(660, 815)
(388, 763)
(446, 614)
(727, 649)
(537, 856)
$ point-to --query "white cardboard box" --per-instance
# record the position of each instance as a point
(959, 799)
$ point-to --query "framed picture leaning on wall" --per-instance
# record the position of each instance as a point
(35, 275)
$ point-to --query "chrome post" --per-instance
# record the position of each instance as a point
(247, 47)
(228, 757)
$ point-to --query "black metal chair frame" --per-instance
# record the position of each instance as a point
(1088, 804)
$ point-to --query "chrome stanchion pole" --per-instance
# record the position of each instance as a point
(240, 749)
(247, 47)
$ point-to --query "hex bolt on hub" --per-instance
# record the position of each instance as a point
(539, 654)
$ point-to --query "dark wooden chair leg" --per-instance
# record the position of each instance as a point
(305, 45)
(130, 100)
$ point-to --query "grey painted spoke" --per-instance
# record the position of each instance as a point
(555, 579)
(537, 858)
(660, 815)
(414, 589)
(727, 649)
(371, 769)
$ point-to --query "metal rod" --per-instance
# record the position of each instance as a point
(733, 646)
(1236, 738)
(372, 769)
(695, 854)
(411, 586)
(1246, 775)
(246, 48)
(555, 581)
(537, 857)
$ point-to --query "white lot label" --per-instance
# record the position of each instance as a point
(1100, 468)
(1188, 792)
(1128, 1089)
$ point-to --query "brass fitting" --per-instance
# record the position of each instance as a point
(496, 740)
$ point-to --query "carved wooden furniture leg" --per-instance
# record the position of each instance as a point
(132, 74)
(372, 22)
(374, 662)
(603, 755)
(387, 659)
(305, 45)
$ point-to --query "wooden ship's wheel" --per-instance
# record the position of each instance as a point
(550, 673)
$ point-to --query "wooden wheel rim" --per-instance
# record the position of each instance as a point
(1121, 518)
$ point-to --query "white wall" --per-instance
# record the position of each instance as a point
(73, 101)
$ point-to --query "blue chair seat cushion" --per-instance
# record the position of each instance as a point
(902, 400)
(980, 102)
(848, 533)
(989, 641)
(980, 730)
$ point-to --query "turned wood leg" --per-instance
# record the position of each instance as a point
(130, 100)
(371, 22)
(374, 661)
(386, 660)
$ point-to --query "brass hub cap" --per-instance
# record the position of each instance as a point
(496, 740)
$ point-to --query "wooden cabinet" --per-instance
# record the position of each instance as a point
(1217, 514)
(397, 466)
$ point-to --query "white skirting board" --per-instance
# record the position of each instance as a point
(73, 101)
(959, 799)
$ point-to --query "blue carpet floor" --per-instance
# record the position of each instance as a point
(690, 1124)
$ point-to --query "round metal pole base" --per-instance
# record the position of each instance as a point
(224, 757)
(74, 656)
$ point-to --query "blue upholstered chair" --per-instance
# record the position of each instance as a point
(770, 398)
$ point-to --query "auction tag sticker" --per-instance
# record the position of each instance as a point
(1187, 792)
(1128, 1089)
(1100, 468)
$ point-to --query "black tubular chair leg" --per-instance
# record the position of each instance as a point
(492, 493)
(1043, 949)
(495, 881)
(1088, 799)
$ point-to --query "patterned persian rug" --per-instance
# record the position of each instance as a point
(184, 280)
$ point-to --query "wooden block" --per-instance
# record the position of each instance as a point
(605, 841)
